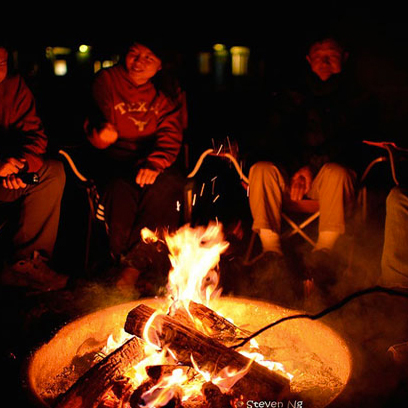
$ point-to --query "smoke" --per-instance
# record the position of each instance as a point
(369, 324)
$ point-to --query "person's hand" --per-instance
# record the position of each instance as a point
(8, 169)
(105, 137)
(146, 176)
(300, 183)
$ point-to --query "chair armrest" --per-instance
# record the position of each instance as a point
(71, 163)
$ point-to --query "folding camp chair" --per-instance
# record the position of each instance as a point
(96, 214)
(309, 207)
(188, 193)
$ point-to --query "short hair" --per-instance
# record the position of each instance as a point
(320, 38)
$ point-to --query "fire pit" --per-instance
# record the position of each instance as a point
(314, 354)
(183, 349)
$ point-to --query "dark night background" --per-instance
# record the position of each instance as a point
(276, 34)
(376, 35)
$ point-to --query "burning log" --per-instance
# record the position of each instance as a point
(214, 397)
(210, 356)
(119, 395)
(212, 324)
(155, 373)
(89, 390)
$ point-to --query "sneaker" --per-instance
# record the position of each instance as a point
(33, 273)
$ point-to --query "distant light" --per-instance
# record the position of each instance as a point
(60, 67)
(204, 63)
(61, 50)
(240, 59)
(107, 63)
(97, 66)
(83, 48)
(49, 53)
(218, 47)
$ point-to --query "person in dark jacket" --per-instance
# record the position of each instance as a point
(312, 150)
(23, 145)
(138, 130)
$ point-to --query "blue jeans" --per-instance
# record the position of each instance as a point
(394, 261)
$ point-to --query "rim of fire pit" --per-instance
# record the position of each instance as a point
(308, 343)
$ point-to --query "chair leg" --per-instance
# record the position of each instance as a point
(298, 229)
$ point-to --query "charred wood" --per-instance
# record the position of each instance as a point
(214, 397)
(90, 389)
(210, 323)
(208, 354)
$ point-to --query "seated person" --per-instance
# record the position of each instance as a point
(394, 262)
(312, 150)
(136, 126)
(23, 146)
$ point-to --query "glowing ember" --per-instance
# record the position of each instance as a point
(319, 359)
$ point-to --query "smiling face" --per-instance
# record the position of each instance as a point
(326, 58)
(141, 64)
(3, 63)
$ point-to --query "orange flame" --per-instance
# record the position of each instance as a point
(194, 255)
(167, 388)
(226, 378)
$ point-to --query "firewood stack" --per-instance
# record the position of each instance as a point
(105, 385)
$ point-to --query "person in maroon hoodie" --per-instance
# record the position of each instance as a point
(23, 145)
(137, 128)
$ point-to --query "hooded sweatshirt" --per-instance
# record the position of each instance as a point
(21, 130)
(148, 123)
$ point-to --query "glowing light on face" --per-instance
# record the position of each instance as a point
(141, 64)
(326, 59)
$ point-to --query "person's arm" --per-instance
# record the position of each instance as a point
(169, 138)
(28, 128)
(99, 127)
(301, 183)
(8, 171)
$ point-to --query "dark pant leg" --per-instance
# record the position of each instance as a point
(129, 208)
(39, 211)
(160, 204)
(121, 198)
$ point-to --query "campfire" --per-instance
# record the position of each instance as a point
(177, 351)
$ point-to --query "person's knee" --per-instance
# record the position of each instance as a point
(54, 174)
(338, 172)
(397, 199)
(262, 168)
